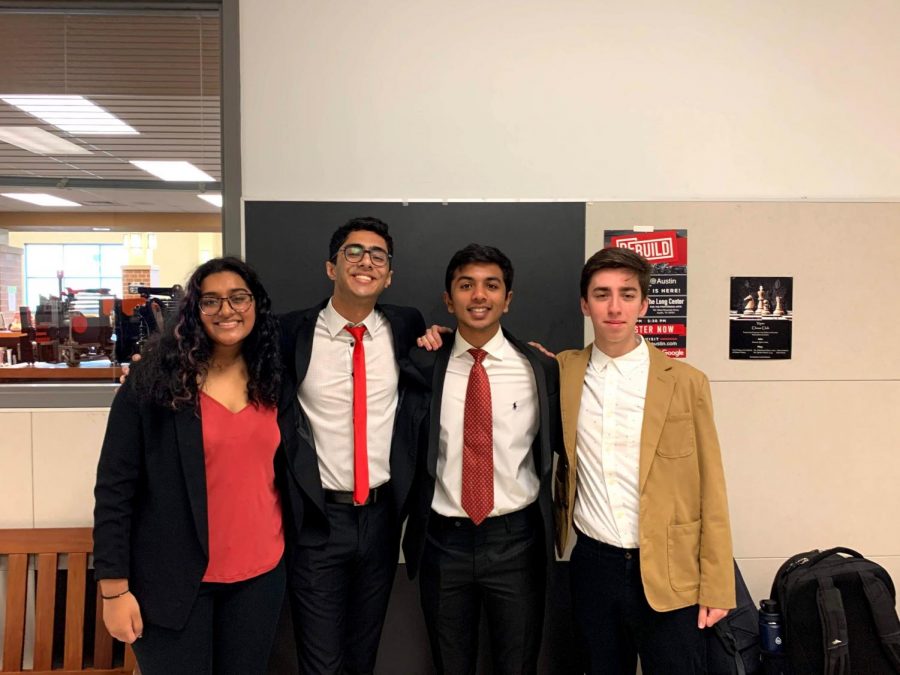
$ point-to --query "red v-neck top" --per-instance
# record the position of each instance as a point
(246, 537)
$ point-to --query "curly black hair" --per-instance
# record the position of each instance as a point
(174, 361)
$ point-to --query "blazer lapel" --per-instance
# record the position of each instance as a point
(303, 346)
(302, 354)
(545, 459)
(441, 359)
(189, 432)
(571, 386)
(660, 386)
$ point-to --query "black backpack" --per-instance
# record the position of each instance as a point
(732, 644)
(838, 614)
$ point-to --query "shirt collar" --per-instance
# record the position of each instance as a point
(495, 347)
(335, 323)
(626, 363)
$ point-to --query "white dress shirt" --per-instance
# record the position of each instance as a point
(608, 446)
(514, 404)
(326, 396)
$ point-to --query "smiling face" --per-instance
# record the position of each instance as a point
(478, 299)
(614, 304)
(358, 285)
(227, 328)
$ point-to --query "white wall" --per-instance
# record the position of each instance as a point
(647, 100)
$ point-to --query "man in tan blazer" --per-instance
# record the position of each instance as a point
(642, 483)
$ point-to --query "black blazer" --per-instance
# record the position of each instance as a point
(297, 330)
(433, 368)
(150, 518)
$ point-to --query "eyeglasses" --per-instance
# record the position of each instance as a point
(354, 253)
(239, 302)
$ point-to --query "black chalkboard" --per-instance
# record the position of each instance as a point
(287, 242)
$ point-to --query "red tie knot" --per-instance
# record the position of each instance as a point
(356, 331)
(478, 354)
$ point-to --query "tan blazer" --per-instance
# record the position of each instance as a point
(684, 533)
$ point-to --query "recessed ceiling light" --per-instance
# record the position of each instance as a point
(39, 199)
(35, 139)
(215, 200)
(100, 229)
(174, 171)
(74, 114)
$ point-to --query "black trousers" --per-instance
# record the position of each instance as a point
(616, 624)
(499, 565)
(229, 631)
(340, 590)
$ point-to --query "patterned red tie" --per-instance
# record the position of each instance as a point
(478, 443)
(360, 407)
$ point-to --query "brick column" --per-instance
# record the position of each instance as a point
(139, 275)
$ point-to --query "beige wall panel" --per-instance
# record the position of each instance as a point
(16, 503)
(844, 258)
(66, 448)
(810, 465)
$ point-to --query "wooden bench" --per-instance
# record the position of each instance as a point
(43, 547)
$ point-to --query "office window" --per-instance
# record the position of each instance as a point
(83, 266)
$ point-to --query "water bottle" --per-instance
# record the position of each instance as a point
(771, 634)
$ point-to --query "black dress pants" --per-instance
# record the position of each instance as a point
(229, 631)
(499, 565)
(340, 590)
(616, 624)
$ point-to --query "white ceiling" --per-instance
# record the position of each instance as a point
(159, 73)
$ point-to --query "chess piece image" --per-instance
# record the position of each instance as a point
(766, 309)
(760, 300)
(779, 307)
(749, 305)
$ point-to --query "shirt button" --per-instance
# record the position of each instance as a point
(627, 556)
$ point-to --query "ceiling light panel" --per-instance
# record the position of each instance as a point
(215, 200)
(174, 171)
(39, 199)
(74, 114)
(40, 142)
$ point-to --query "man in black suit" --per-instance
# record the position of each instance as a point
(480, 529)
(355, 463)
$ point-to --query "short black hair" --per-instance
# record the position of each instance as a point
(477, 253)
(617, 258)
(368, 224)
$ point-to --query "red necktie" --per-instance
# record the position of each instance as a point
(360, 406)
(478, 443)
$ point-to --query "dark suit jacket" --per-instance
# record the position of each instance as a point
(433, 367)
(297, 330)
(150, 519)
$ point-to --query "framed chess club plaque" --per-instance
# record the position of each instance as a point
(761, 317)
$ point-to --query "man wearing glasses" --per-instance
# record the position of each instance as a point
(346, 361)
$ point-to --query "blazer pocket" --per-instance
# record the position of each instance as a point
(683, 553)
(677, 437)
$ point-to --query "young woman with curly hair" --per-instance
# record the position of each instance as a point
(188, 527)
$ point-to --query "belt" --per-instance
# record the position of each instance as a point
(376, 494)
(442, 522)
(601, 546)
